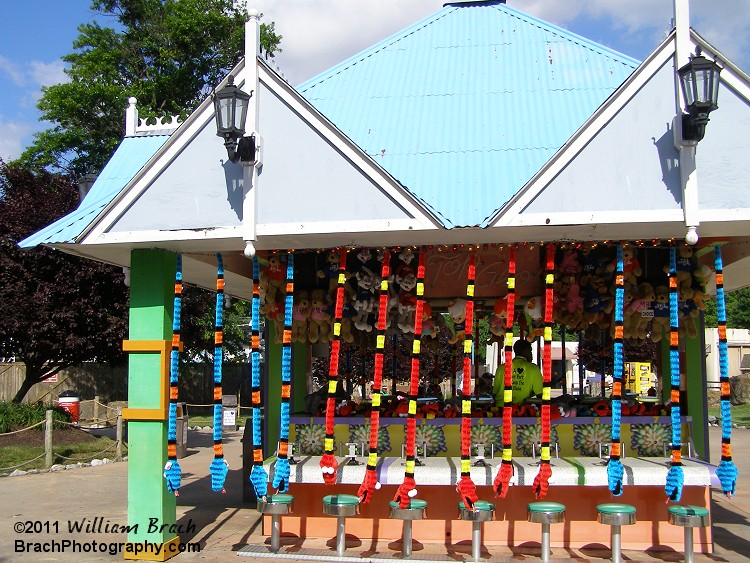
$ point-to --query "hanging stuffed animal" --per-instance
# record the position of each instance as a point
(219, 466)
(457, 312)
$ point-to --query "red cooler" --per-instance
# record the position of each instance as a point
(70, 402)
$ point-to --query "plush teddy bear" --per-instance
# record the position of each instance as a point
(533, 311)
(639, 317)
(273, 277)
(330, 271)
(687, 312)
(498, 320)
(429, 328)
(702, 276)
(631, 267)
(300, 315)
(275, 314)
(569, 265)
(364, 302)
(660, 305)
(457, 312)
(348, 313)
(574, 307)
(685, 267)
(407, 303)
(597, 304)
(319, 326)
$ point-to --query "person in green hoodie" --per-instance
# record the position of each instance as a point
(527, 378)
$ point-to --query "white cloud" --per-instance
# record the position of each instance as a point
(318, 34)
(11, 69)
(11, 139)
(47, 74)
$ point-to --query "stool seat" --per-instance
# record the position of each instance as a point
(415, 511)
(546, 512)
(483, 511)
(616, 514)
(692, 516)
(341, 505)
(276, 504)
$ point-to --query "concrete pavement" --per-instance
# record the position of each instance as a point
(224, 525)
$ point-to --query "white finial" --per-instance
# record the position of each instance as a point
(131, 117)
(249, 249)
(692, 236)
(253, 13)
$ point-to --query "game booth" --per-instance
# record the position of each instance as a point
(387, 220)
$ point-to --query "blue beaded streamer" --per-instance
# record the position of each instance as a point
(726, 471)
(615, 469)
(675, 476)
(219, 467)
(258, 475)
(172, 470)
(282, 470)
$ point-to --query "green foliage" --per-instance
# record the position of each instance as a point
(198, 319)
(15, 416)
(738, 309)
(11, 456)
(169, 54)
(58, 310)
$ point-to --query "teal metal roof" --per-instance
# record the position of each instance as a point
(465, 106)
(128, 159)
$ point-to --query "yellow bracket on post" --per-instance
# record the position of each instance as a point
(164, 348)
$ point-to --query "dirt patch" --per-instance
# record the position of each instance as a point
(35, 437)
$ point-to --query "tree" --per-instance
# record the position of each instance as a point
(58, 310)
(738, 309)
(169, 54)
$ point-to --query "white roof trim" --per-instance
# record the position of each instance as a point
(163, 236)
(597, 218)
(96, 232)
(508, 215)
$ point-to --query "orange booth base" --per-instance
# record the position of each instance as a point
(652, 531)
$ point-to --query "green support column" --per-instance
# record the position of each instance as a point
(299, 377)
(152, 512)
(697, 401)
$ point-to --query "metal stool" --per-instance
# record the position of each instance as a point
(616, 515)
(484, 512)
(276, 506)
(545, 513)
(416, 510)
(688, 517)
(340, 506)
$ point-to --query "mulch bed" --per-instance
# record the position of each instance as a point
(35, 437)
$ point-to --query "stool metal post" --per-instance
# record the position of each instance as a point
(407, 538)
(275, 532)
(483, 512)
(340, 535)
(616, 543)
(476, 540)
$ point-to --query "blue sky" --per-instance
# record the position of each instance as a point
(320, 33)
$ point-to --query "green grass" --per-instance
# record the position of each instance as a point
(21, 415)
(740, 414)
(204, 417)
(84, 452)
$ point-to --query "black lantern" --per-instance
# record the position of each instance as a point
(231, 106)
(699, 80)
